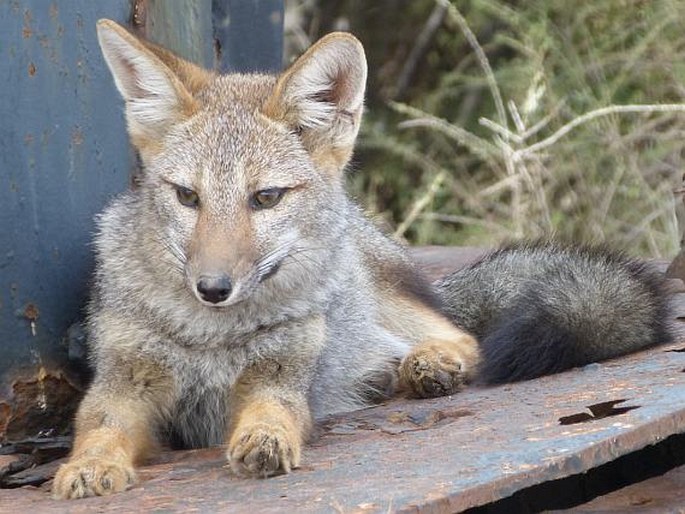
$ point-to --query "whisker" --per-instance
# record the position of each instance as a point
(175, 251)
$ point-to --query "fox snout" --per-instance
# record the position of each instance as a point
(226, 263)
(219, 265)
(214, 288)
(226, 285)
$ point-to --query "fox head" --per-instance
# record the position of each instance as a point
(243, 174)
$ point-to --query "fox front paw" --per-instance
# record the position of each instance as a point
(263, 450)
(90, 476)
(437, 368)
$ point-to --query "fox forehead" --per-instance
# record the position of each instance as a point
(250, 91)
(230, 143)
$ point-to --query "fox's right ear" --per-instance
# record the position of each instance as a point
(155, 94)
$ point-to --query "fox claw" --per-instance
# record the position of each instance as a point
(263, 451)
(434, 369)
(91, 477)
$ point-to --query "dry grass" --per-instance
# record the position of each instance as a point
(555, 118)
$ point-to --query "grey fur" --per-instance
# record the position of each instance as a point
(323, 306)
(145, 308)
(541, 307)
(142, 295)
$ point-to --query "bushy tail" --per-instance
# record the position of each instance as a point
(540, 308)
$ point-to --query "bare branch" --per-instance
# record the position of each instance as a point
(482, 59)
(612, 109)
(419, 49)
(478, 145)
(421, 204)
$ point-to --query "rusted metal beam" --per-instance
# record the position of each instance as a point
(438, 455)
(248, 35)
(441, 455)
(184, 27)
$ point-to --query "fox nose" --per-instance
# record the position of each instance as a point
(214, 289)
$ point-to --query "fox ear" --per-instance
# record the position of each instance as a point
(156, 97)
(322, 96)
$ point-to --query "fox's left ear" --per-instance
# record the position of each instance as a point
(322, 96)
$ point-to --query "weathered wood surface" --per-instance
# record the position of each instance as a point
(441, 455)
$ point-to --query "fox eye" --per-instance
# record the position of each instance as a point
(187, 197)
(267, 198)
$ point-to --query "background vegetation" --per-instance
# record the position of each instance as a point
(460, 143)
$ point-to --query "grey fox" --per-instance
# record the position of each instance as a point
(240, 295)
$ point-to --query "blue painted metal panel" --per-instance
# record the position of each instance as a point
(183, 26)
(249, 35)
(63, 152)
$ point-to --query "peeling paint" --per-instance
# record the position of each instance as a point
(31, 312)
(38, 400)
(138, 16)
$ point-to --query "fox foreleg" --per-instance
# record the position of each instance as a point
(115, 430)
(270, 415)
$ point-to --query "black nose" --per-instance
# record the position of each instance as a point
(214, 289)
